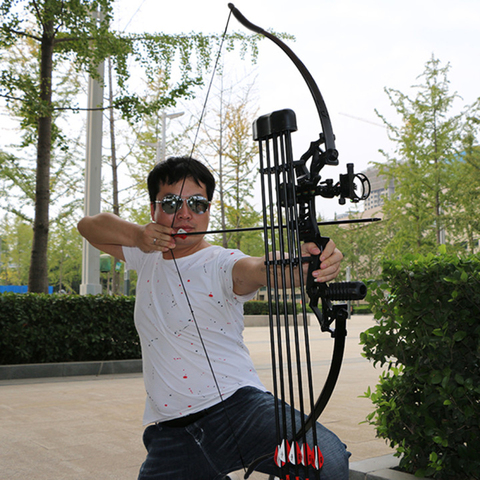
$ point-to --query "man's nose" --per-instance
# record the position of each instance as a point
(184, 210)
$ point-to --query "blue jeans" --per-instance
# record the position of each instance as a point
(208, 450)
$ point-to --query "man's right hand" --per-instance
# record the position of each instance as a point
(154, 237)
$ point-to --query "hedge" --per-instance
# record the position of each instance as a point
(37, 328)
(427, 404)
(257, 307)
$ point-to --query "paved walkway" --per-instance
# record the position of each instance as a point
(82, 428)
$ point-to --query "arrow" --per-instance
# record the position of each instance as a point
(183, 234)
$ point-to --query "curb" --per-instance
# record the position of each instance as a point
(379, 468)
(69, 369)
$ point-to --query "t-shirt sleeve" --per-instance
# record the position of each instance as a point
(134, 258)
(227, 260)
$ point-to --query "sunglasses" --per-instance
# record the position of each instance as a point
(173, 203)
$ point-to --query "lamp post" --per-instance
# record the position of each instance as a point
(159, 157)
(93, 178)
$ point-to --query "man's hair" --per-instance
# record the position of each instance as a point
(176, 169)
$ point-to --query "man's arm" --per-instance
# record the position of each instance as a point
(110, 233)
(250, 273)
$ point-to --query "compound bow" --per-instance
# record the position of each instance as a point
(289, 190)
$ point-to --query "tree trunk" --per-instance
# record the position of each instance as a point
(116, 203)
(38, 275)
(220, 173)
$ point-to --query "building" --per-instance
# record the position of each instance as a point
(380, 189)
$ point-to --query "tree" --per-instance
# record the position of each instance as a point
(65, 256)
(428, 143)
(361, 244)
(16, 243)
(60, 28)
(145, 139)
(230, 151)
(464, 220)
(223, 142)
(73, 31)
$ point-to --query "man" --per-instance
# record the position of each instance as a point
(207, 410)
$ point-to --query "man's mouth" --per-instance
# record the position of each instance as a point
(182, 231)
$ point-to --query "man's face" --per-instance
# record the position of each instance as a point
(185, 218)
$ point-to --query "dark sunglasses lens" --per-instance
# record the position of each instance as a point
(198, 204)
(171, 204)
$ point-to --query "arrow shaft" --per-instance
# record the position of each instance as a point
(257, 229)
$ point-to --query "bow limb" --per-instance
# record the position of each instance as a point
(328, 136)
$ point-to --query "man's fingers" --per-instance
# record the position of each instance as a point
(156, 237)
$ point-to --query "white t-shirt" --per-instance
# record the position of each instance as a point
(177, 376)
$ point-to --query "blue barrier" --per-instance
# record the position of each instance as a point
(18, 289)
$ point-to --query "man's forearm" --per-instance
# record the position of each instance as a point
(109, 229)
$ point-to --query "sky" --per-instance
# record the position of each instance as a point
(353, 49)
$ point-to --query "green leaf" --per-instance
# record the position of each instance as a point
(459, 336)
(436, 377)
(442, 249)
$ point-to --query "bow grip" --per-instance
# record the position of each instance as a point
(315, 290)
(321, 243)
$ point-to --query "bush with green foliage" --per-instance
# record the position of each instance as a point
(259, 307)
(428, 336)
(39, 328)
(361, 309)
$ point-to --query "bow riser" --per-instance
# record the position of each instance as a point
(290, 220)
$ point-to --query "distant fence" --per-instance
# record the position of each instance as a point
(18, 289)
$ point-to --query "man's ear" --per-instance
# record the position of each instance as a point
(152, 211)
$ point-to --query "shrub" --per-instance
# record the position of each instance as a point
(37, 328)
(361, 309)
(258, 307)
(428, 336)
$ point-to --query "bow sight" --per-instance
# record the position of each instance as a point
(354, 186)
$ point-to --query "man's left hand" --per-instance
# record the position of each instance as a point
(330, 260)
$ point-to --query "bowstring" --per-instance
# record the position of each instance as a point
(187, 298)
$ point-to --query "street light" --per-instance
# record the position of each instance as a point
(93, 176)
(161, 146)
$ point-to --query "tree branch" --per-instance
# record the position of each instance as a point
(24, 34)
